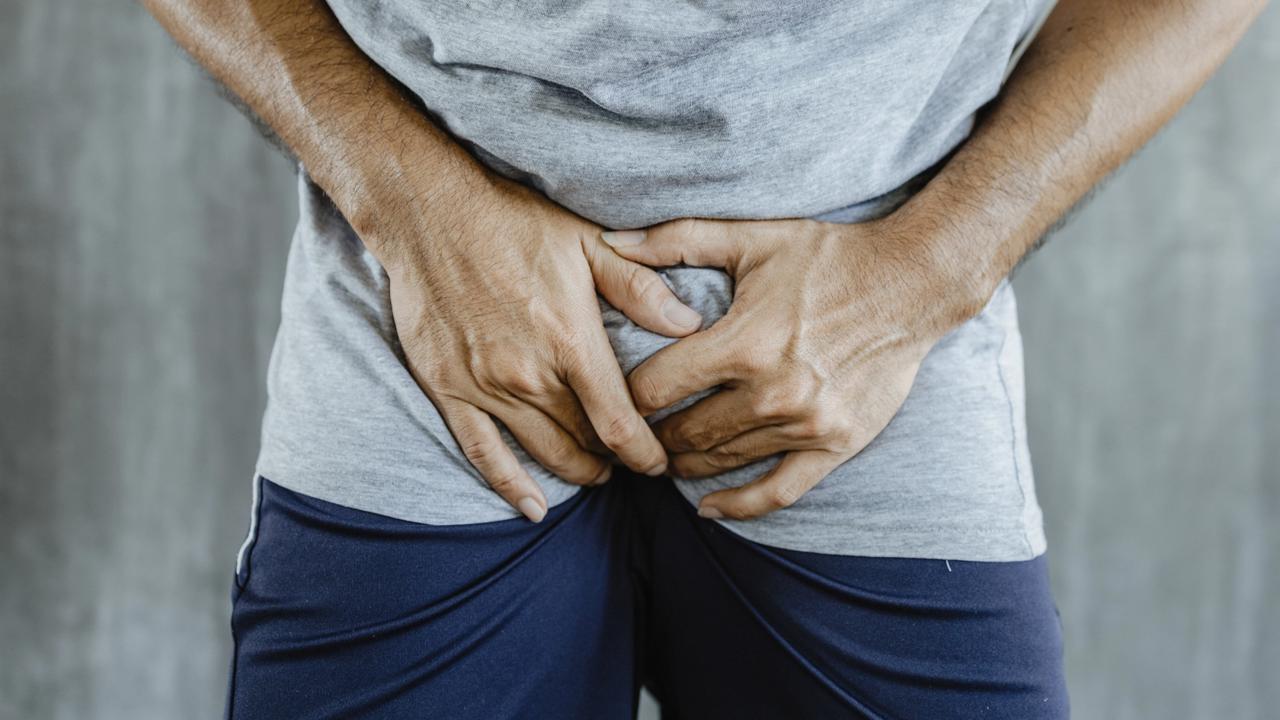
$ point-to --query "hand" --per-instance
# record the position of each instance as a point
(495, 306)
(828, 327)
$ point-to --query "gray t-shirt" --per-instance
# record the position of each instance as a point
(636, 113)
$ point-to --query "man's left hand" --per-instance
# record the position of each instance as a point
(828, 327)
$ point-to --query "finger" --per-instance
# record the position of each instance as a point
(594, 376)
(478, 437)
(761, 442)
(561, 405)
(687, 241)
(795, 475)
(711, 421)
(551, 446)
(698, 465)
(751, 446)
(639, 293)
(693, 364)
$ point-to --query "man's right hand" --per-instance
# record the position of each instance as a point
(493, 287)
(494, 300)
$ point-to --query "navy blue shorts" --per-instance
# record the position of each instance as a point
(339, 613)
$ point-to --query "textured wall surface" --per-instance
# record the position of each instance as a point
(143, 229)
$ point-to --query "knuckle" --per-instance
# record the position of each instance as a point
(539, 312)
(642, 284)
(490, 386)
(578, 355)
(814, 427)
(520, 383)
(478, 452)
(572, 343)
(505, 373)
(490, 371)
(685, 436)
(618, 431)
(503, 483)
(775, 404)
(646, 392)
(709, 464)
(559, 456)
(724, 461)
(825, 422)
(759, 350)
(851, 439)
(672, 437)
(841, 428)
(781, 496)
(699, 439)
(433, 378)
(752, 362)
(805, 387)
(716, 462)
(790, 405)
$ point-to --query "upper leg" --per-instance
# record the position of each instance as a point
(342, 613)
(739, 629)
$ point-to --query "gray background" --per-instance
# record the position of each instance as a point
(144, 229)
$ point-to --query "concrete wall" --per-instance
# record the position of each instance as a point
(144, 227)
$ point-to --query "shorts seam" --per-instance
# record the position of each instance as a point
(244, 560)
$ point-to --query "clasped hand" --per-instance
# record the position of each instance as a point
(827, 329)
(496, 312)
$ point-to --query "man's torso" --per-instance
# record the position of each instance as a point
(635, 114)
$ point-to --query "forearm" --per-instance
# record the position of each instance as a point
(1100, 80)
(295, 67)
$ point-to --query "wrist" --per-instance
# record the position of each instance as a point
(394, 186)
(957, 273)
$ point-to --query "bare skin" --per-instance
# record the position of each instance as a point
(829, 322)
(478, 265)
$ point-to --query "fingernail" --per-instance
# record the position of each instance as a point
(622, 238)
(709, 512)
(532, 509)
(681, 314)
(656, 470)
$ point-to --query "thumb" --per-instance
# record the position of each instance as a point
(639, 293)
(687, 241)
